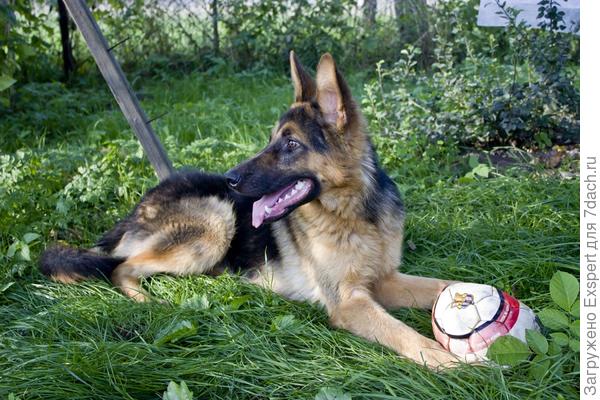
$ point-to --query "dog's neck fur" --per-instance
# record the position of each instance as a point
(345, 199)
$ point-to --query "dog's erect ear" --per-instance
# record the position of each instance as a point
(333, 94)
(304, 85)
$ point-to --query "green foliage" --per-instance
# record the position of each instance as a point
(480, 95)
(330, 393)
(6, 82)
(536, 341)
(177, 331)
(508, 350)
(455, 83)
(554, 319)
(562, 335)
(156, 37)
(267, 31)
(478, 170)
(23, 44)
(178, 392)
(564, 290)
(21, 248)
(50, 109)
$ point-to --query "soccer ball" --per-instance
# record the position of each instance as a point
(468, 317)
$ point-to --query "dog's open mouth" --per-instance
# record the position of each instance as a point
(271, 206)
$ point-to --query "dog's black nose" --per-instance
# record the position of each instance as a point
(233, 178)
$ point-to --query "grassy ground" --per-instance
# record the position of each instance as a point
(70, 167)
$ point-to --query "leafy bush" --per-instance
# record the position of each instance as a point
(558, 351)
(203, 34)
(23, 45)
(478, 94)
(268, 30)
(45, 110)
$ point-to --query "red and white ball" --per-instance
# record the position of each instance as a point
(468, 317)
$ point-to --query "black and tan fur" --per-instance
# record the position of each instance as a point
(340, 246)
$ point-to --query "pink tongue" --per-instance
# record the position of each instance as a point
(258, 208)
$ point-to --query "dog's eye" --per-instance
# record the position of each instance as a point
(292, 145)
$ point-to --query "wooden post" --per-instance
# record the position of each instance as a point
(112, 73)
(67, 49)
(215, 26)
(10, 54)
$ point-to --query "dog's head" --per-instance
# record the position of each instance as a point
(315, 147)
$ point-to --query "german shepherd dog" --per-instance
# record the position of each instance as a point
(312, 217)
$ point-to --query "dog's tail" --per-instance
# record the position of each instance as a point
(69, 265)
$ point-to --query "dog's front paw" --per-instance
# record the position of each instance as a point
(432, 355)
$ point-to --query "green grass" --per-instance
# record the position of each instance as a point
(72, 178)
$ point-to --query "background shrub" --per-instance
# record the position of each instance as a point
(515, 86)
(433, 74)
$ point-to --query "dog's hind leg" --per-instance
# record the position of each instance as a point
(397, 290)
(190, 237)
(180, 260)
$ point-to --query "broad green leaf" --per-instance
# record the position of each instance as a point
(331, 393)
(508, 350)
(554, 349)
(12, 249)
(468, 178)
(553, 319)
(574, 345)
(25, 253)
(564, 289)
(539, 366)
(536, 341)
(6, 286)
(198, 302)
(178, 392)
(561, 339)
(283, 322)
(473, 161)
(575, 309)
(63, 206)
(237, 302)
(176, 332)
(30, 237)
(482, 170)
(6, 82)
(26, 51)
(575, 328)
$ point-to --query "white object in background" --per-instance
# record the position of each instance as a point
(491, 15)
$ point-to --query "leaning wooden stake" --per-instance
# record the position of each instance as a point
(110, 69)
